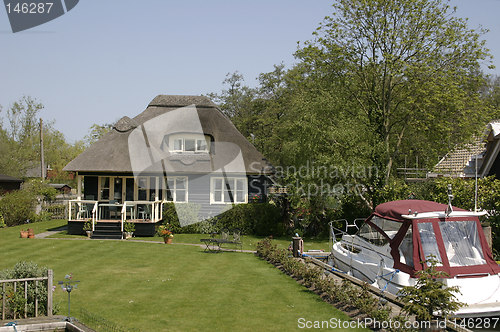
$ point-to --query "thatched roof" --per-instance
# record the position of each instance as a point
(111, 153)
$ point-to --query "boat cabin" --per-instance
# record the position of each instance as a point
(416, 229)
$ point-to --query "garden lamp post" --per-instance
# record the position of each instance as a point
(68, 285)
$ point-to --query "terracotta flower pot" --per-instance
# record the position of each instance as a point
(24, 234)
(167, 240)
(31, 233)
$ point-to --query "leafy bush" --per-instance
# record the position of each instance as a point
(87, 226)
(187, 211)
(42, 216)
(17, 207)
(40, 187)
(258, 218)
(128, 227)
(2, 221)
(344, 293)
(15, 300)
(429, 294)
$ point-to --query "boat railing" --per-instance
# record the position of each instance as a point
(350, 245)
(334, 231)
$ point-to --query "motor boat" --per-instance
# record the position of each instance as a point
(394, 242)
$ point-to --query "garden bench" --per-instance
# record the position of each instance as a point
(214, 244)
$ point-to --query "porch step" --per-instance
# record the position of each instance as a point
(107, 230)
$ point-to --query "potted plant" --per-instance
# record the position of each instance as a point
(128, 229)
(87, 227)
(31, 233)
(165, 232)
(24, 234)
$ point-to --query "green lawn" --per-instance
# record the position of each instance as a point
(249, 241)
(158, 287)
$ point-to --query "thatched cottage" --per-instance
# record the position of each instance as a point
(181, 149)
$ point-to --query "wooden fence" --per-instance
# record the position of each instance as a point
(57, 211)
(6, 303)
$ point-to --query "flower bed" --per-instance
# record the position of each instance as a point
(356, 301)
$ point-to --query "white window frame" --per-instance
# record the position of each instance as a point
(139, 178)
(184, 137)
(100, 188)
(175, 189)
(233, 187)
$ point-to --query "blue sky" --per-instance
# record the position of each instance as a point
(106, 59)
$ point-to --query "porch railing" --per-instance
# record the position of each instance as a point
(8, 298)
(156, 210)
(79, 209)
(89, 210)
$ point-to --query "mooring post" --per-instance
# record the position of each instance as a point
(296, 246)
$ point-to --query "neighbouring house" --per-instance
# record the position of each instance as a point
(61, 188)
(461, 162)
(9, 183)
(181, 149)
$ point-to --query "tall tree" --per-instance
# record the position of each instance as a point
(20, 144)
(409, 70)
(96, 131)
(235, 99)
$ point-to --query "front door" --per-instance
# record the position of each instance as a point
(118, 186)
(129, 189)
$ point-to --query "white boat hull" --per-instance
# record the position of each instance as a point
(373, 265)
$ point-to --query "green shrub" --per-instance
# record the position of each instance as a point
(40, 187)
(187, 211)
(429, 295)
(264, 247)
(15, 300)
(2, 221)
(258, 218)
(42, 216)
(17, 207)
(202, 227)
(87, 226)
(128, 227)
(344, 293)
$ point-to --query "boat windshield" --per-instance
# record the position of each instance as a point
(428, 240)
(461, 242)
(406, 248)
(372, 235)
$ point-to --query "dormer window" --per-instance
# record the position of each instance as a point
(194, 143)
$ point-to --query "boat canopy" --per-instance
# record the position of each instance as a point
(416, 229)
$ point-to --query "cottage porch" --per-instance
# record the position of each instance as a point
(144, 214)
